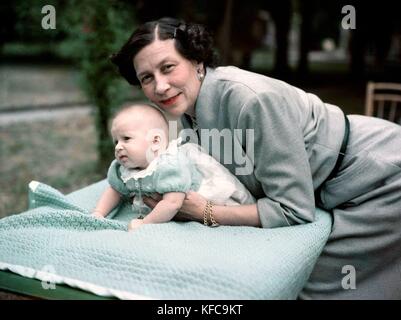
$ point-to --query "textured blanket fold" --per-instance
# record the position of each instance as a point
(57, 239)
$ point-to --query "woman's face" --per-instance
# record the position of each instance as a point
(167, 78)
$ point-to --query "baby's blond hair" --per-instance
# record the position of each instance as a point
(160, 120)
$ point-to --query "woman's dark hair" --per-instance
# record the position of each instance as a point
(192, 41)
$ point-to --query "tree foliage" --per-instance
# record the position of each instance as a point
(96, 29)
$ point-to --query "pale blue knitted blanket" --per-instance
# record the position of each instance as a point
(174, 260)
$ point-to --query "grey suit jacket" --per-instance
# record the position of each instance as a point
(280, 141)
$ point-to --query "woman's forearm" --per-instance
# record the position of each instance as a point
(244, 215)
(194, 205)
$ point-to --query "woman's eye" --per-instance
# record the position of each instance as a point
(167, 67)
(146, 79)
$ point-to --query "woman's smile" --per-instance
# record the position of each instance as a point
(170, 101)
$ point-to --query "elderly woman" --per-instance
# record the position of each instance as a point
(303, 153)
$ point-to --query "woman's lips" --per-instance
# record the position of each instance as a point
(170, 101)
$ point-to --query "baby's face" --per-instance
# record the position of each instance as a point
(132, 141)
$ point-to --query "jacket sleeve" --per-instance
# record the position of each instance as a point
(280, 160)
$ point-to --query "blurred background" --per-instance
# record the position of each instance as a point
(58, 88)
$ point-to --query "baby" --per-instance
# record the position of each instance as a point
(146, 163)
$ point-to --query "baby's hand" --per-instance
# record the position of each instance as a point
(97, 215)
(135, 224)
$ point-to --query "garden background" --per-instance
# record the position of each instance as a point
(58, 87)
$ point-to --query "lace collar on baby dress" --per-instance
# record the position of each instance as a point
(127, 174)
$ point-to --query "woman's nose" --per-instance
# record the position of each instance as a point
(162, 85)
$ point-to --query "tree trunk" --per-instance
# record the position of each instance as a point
(281, 13)
(224, 35)
(306, 11)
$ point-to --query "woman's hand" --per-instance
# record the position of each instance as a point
(192, 207)
(152, 201)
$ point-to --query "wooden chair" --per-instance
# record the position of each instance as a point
(383, 100)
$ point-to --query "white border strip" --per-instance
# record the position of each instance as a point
(33, 185)
(56, 279)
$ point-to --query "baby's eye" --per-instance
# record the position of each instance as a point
(127, 138)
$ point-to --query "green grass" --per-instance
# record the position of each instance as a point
(61, 153)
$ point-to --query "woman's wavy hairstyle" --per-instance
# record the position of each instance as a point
(192, 41)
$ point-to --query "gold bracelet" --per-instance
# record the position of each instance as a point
(212, 220)
(208, 214)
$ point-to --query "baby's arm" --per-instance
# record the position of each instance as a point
(166, 209)
(107, 202)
